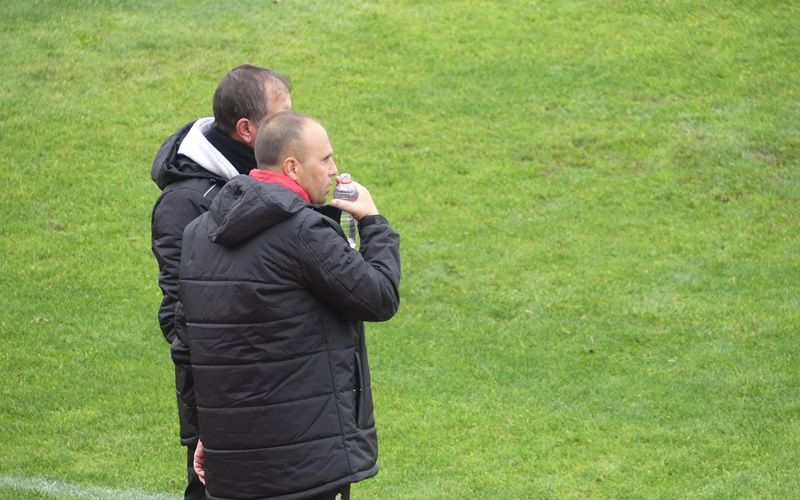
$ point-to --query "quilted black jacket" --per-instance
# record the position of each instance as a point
(187, 191)
(274, 301)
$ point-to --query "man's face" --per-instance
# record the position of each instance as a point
(316, 169)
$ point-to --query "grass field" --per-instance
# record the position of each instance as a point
(598, 202)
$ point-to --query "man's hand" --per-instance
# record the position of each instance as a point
(360, 208)
(199, 459)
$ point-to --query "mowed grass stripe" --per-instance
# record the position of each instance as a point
(60, 489)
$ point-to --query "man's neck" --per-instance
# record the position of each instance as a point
(239, 154)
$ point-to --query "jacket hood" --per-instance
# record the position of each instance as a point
(188, 154)
(245, 207)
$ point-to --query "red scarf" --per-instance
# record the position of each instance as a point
(269, 176)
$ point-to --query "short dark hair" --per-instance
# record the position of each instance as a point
(241, 94)
(279, 137)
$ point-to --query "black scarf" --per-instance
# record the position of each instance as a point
(241, 156)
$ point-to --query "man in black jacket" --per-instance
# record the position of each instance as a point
(190, 168)
(274, 299)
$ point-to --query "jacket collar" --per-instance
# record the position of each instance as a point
(269, 176)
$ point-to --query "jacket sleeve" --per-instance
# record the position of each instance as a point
(172, 212)
(362, 285)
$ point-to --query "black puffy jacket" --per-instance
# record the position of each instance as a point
(274, 300)
(187, 191)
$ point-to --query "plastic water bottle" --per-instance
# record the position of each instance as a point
(345, 190)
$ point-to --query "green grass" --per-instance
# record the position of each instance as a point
(598, 204)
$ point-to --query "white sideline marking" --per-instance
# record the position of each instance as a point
(60, 489)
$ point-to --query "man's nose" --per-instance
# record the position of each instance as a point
(334, 170)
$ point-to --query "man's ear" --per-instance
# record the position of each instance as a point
(245, 131)
(289, 167)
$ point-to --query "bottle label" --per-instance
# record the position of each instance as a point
(346, 194)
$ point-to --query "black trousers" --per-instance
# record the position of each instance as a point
(195, 490)
(187, 415)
